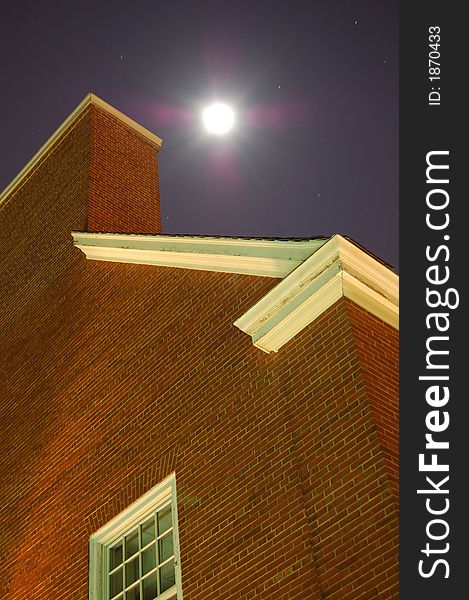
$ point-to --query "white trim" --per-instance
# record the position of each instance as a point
(302, 247)
(96, 571)
(87, 101)
(127, 519)
(267, 258)
(296, 320)
(287, 289)
(339, 268)
(202, 262)
(368, 270)
(315, 274)
(374, 303)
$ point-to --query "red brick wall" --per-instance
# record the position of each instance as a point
(349, 498)
(114, 375)
(124, 194)
(378, 348)
(36, 221)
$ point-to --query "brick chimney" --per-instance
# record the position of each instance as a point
(123, 193)
(97, 172)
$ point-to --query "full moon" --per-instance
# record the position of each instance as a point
(218, 118)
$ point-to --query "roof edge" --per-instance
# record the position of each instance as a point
(88, 100)
(338, 269)
(267, 258)
(93, 99)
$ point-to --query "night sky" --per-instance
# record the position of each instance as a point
(314, 85)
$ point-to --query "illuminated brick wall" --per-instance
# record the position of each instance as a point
(114, 375)
(124, 193)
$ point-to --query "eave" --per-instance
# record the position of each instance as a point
(261, 257)
(314, 275)
(338, 269)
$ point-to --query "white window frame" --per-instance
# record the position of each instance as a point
(130, 517)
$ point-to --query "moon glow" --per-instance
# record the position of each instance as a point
(218, 118)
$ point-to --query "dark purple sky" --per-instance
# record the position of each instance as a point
(314, 85)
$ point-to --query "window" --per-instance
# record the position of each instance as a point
(135, 556)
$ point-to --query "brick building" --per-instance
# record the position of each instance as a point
(186, 416)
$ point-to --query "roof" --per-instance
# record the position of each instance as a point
(314, 272)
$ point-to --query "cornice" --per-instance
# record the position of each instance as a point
(266, 258)
(315, 274)
(338, 269)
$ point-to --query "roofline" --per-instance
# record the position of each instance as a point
(338, 269)
(151, 137)
(247, 256)
(314, 275)
(88, 100)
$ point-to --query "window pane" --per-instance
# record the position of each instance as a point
(116, 582)
(149, 587)
(131, 544)
(116, 555)
(133, 594)
(167, 576)
(166, 547)
(148, 532)
(164, 520)
(149, 559)
(131, 571)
